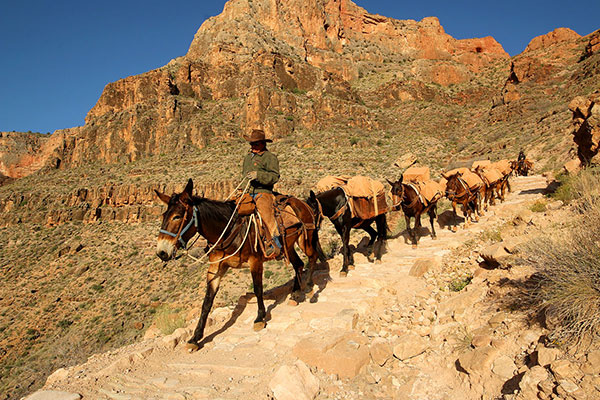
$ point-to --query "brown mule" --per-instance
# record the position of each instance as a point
(459, 192)
(405, 196)
(235, 240)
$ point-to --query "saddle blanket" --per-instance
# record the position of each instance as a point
(365, 208)
(362, 186)
(430, 190)
(416, 174)
(503, 166)
(481, 163)
(331, 182)
(491, 175)
(471, 178)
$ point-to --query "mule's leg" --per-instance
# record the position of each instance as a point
(379, 248)
(345, 236)
(432, 215)
(416, 229)
(455, 227)
(372, 234)
(298, 265)
(466, 209)
(256, 269)
(408, 230)
(213, 276)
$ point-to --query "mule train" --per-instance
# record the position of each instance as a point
(235, 235)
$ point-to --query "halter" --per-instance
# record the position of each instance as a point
(464, 185)
(182, 230)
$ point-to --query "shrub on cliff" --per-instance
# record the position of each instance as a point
(565, 290)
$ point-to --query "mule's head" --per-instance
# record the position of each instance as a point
(397, 191)
(179, 215)
(313, 203)
(453, 186)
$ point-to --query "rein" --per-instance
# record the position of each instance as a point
(194, 220)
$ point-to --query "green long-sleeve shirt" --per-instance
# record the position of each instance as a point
(267, 166)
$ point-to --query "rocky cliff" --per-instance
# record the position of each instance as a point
(281, 65)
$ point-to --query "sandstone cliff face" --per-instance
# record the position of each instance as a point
(279, 65)
(586, 127)
(19, 153)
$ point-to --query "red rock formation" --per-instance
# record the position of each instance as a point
(278, 64)
(586, 127)
(593, 45)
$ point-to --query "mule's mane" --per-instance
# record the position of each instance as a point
(213, 209)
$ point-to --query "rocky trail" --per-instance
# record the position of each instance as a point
(378, 333)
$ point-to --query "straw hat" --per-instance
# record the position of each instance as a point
(257, 135)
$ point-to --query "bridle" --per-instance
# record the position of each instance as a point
(183, 229)
(400, 196)
(454, 194)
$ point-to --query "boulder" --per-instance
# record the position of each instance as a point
(545, 355)
(342, 354)
(380, 351)
(409, 346)
(572, 167)
(53, 395)
(504, 367)
(294, 382)
(564, 369)
(477, 361)
(406, 161)
(533, 377)
(494, 255)
(425, 264)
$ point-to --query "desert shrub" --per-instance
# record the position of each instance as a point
(582, 186)
(167, 320)
(565, 290)
(460, 283)
(538, 206)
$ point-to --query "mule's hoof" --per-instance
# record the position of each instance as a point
(191, 347)
(292, 302)
(414, 246)
(455, 229)
(378, 261)
(351, 267)
(258, 326)
(343, 274)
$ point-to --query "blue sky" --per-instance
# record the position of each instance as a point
(57, 56)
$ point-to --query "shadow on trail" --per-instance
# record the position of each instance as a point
(321, 278)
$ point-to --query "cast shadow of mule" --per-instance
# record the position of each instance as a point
(279, 294)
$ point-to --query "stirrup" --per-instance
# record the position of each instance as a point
(272, 251)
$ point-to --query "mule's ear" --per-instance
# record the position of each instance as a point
(312, 195)
(390, 182)
(401, 178)
(189, 188)
(444, 175)
(163, 197)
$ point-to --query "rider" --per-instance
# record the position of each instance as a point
(521, 156)
(261, 167)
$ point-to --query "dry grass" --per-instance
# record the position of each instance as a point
(566, 288)
(167, 320)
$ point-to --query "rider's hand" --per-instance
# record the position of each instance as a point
(252, 175)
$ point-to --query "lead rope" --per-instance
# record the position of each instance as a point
(225, 229)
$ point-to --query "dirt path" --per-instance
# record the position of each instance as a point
(239, 363)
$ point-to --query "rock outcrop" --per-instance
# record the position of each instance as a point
(586, 127)
(280, 65)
